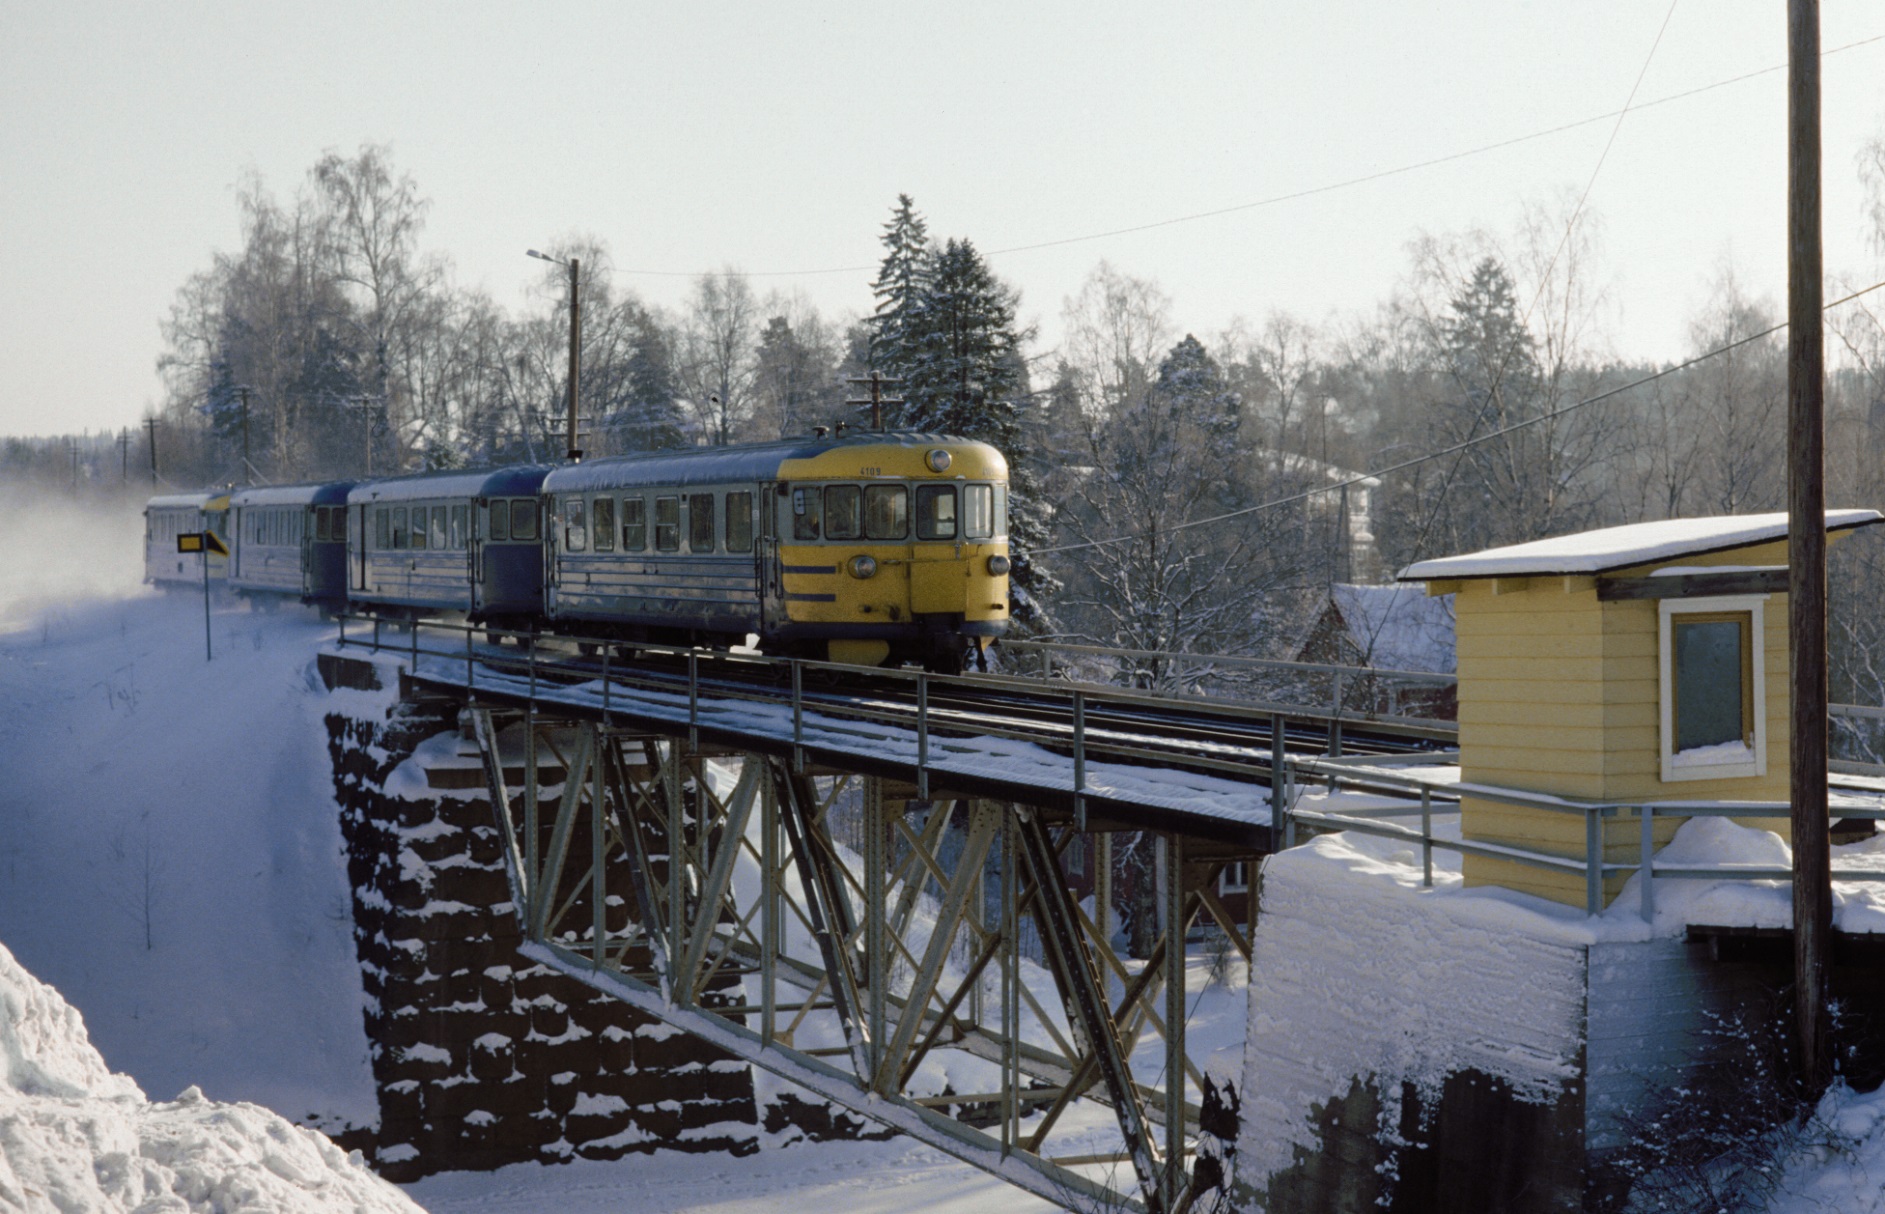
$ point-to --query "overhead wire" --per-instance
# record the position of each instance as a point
(1442, 453)
(1309, 191)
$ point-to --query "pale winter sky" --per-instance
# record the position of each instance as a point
(775, 138)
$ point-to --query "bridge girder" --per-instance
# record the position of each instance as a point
(713, 892)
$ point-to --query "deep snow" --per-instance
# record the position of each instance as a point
(76, 1138)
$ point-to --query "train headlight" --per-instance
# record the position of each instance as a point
(938, 460)
(863, 567)
(998, 565)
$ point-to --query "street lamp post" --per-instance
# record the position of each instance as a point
(575, 339)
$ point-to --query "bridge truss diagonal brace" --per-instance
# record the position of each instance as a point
(677, 845)
(1086, 1001)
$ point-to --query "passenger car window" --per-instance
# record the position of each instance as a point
(500, 520)
(886, 512)
(382, 529)
(575, 528)
(978, 512)
(460, 516)
(524, 520)
(399, 527)
(700, 522)
(808, 514)
(438, 527)
(603, 515)
(668, 524)
(935, 512)
(1001, 510)
(418, 527)
(739, 522)
(634, 524)
(843, 505)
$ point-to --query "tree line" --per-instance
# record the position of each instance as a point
(331, 338)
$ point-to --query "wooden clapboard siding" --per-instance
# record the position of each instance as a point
(1560, 693)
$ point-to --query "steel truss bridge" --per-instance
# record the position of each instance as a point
(865, 888)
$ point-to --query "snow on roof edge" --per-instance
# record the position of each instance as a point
(1608, 548)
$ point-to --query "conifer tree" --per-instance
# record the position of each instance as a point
(902, 279)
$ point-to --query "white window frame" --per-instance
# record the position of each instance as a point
(1226, 884)
(1674, 767)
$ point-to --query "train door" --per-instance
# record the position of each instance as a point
(766, 552)
(357, 545)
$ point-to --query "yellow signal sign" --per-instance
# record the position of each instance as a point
(202, 541)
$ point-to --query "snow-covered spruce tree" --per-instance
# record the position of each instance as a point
(902, 279)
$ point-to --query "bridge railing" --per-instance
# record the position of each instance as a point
(1429, 785)
(1090, 723)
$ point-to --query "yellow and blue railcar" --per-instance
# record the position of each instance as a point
(861, 548)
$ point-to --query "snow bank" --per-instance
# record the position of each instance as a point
(1359, 973)
(76, 1138)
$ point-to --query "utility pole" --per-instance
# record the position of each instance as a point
(575, 352)
(575, 339)
(124, 456)
(150, 424)
(1806, 548)
(877, 399)
(72, 448)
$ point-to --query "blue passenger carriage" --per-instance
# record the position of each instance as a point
(173, 514)
(449, 542)
(291, 540)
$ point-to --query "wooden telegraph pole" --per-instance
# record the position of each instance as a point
(1806, 570)
(150, 426)
(575, 350)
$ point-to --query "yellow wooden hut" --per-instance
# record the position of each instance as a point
(1641, 663)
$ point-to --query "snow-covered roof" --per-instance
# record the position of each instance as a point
(1398, 627)
(1620, 547)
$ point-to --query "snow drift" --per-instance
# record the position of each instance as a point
(75, 1137)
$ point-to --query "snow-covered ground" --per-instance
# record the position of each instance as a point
(76, 1138)
(170, 861)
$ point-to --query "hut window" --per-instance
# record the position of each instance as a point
(1234, 878)
(1713, 690)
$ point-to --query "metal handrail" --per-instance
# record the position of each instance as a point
(438, 639)
(1382, 778)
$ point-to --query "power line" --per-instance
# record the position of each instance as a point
(1378, 473)
(1311, 191)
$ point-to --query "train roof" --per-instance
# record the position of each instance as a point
(719, 465)
(514, 480)
(317, 493)
(198, 501)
